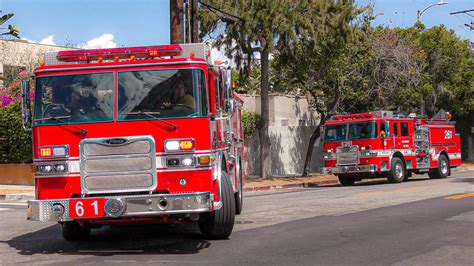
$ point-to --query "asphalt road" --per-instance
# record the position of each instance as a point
(417, 222)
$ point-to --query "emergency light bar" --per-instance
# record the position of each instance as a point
(119, 53)
(352, 116)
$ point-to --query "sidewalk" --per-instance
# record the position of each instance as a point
(254, 184)
(23, 193)
(17, 192)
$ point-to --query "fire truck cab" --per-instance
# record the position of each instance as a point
(381, 144)
(135, 135)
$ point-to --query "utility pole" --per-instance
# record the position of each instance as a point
(194, 21)
(176, 21)
(471, 26)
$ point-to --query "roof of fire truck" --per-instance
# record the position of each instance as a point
(371, 116)
(126, 56)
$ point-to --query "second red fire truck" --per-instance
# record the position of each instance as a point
(381, 144)
(135, 135)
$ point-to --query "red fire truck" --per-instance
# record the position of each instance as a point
(135, 135)
(381, 144)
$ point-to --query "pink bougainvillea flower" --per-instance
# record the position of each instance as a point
(6, 100)
(23, 73)
(32, 94)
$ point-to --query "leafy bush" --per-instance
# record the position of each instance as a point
(250, 122)
(15, 143)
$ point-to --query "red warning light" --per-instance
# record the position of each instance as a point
(120, 53)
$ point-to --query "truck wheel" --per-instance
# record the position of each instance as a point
(443, 168)
(397, 171)
(239, 195)
(346, 180)
(219, 224)
(73, 231)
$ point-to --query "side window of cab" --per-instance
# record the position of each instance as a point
(395, 129)
(217, 91)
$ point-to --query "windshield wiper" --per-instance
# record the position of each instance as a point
(152, 115)
(60, 119)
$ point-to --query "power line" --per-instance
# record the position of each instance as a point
(466, 12)
(214, 9)
(462, 11)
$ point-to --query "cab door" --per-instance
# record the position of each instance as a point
(386, 134)
(402, 137)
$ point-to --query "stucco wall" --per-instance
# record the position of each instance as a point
(291, 124)
(22, 53)
(284, 110)
(288, 151)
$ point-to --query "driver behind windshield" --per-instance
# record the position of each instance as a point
(180, 97)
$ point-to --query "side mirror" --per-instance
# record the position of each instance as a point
(212, 117)
(230, 106)
(25, 104)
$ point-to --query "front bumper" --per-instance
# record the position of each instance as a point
(134, 206)
(350, 169)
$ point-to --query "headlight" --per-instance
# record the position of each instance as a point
(187, 161)
(179, 145)
(53, 151)
(172, 162)
(60, 167)
(45, 168)
(172, 145)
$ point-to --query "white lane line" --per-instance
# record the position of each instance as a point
(4, 209)
(13, 204)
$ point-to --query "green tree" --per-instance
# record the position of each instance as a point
(246, 28)
(390, 77)
(449, 79)
(15, 142)
(321, 64)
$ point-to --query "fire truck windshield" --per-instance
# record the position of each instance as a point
(142, 95)
(364, 130)
(351, 131)
(70, 99)
(169, 93)
(335, 133)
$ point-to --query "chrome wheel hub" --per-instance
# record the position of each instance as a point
(399, 170)
(444, 167)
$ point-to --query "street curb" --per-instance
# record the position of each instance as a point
(16, 197)
(294, 185)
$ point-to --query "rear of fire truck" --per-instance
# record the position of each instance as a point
(135, 135)
(380, 144)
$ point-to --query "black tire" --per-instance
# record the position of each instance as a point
(73, 231)
(397, 171)
(346, 180)
(408, 174)
(239, 195)
(442, 171)
(219, 224)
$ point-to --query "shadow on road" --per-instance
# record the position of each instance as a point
(463, 180)
(108, 241)
(367, 182)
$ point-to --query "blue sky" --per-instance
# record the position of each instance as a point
(143, 22)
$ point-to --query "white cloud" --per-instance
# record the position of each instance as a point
(104, 41)
(48, 40)
(28, 40)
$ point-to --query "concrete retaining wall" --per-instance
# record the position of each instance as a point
(288, 151)
(16, 174)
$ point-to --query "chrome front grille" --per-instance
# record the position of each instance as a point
(347, 155)
(111, 165)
